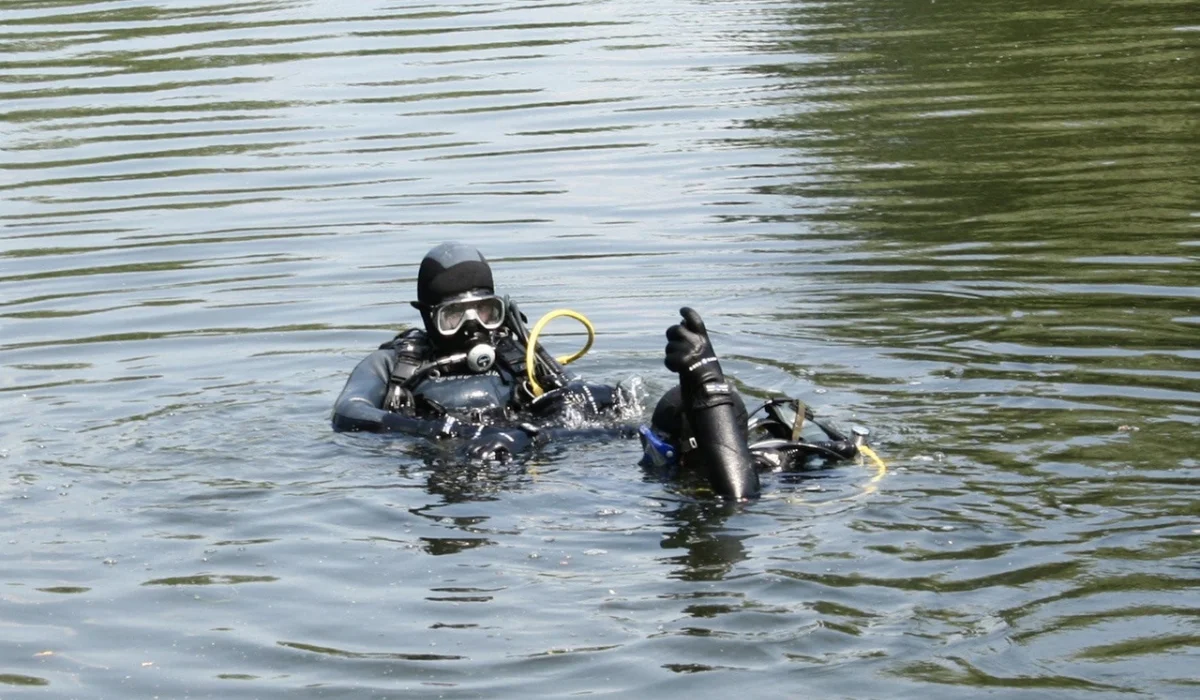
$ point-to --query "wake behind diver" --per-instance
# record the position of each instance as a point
(475, 374)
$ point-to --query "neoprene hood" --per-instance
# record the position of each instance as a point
(447, 271)
(451, 269)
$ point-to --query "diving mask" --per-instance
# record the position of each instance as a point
(485, 309)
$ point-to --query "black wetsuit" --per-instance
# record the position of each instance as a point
(401, 388)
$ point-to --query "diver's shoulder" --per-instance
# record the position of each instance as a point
(412, 340)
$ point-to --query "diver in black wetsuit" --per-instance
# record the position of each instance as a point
(702, 424)
(464, 375)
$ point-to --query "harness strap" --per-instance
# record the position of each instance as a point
(410, 348)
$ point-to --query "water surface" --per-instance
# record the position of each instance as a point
(973, 229)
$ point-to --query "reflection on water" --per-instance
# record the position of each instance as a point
(971, 228)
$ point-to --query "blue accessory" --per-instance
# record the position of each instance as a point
(659, 452)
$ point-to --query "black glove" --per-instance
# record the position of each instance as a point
(690, 353)
(498, 444)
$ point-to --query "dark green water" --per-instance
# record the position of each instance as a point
(972, 227)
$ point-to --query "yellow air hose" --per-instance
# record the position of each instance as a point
(565, 359)
(870, 487)
(880, 466)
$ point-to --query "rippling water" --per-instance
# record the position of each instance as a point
(973, 229)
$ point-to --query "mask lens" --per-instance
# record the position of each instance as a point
(450, 318)
(491, 313)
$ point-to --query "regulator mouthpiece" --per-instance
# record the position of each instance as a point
(481, 358)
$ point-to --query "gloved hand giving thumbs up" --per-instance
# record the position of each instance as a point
(690, 355)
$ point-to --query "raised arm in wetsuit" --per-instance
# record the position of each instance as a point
(712, 434)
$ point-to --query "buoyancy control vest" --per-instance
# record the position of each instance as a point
(422, 384)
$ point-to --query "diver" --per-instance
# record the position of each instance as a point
(466, 373)
(702, 425)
